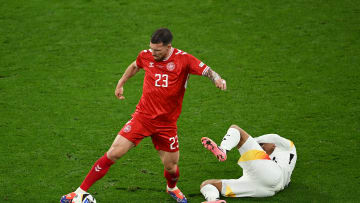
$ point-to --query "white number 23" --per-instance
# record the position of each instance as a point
(161, 78)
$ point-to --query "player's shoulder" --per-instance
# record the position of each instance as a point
(146, 53)
(182, 55)
(179, 52)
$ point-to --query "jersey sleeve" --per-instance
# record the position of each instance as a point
(139, 60)
(196, 66)
(277, 140)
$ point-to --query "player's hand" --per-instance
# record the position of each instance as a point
(221, 84)
(119, 91)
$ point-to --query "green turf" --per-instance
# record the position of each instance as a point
(292, 68)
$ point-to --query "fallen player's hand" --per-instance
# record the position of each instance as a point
(221, 84)
(119, 91)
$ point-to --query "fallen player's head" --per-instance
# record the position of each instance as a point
(268, 147)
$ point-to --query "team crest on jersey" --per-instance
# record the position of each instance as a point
(127, 128)
(151, 64)
(170, 66)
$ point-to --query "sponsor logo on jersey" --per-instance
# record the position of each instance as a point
(170, 66)
(151, 64)
(127, 128)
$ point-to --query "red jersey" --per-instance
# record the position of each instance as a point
(165, 83)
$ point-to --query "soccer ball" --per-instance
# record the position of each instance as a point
(84, 198)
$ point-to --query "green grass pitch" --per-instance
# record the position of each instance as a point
(292, 67)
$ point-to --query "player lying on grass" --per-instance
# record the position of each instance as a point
(267, 162)
(167, 71)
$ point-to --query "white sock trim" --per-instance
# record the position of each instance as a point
(171, 189)
(210, 192)
(231, 139)
(80, 191)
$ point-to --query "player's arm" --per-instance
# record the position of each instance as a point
(275, 139)
(131, 70)
(215, 78)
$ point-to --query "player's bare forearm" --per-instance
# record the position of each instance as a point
(130, 71)
(216, 79)
(212, 75)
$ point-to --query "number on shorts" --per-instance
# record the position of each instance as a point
(174, 142)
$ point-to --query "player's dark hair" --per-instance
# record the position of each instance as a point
(162, 35)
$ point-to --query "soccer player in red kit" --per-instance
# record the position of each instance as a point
(167, 71)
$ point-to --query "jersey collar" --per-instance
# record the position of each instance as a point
(171, 52)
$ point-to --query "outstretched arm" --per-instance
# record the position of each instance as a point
(275, 139)
(131, 70)
(217, 80)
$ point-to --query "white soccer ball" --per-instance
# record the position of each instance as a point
(84, 198)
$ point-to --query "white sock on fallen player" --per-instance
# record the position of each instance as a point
(231, 139)
(210, 192)
(80, 191)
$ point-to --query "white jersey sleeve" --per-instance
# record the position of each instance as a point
(279, 141)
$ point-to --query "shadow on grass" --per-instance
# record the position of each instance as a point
(137, 188)
(295, 192)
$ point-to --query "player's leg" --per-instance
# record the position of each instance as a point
(210, 190)
(171, 169)
(166, 142)
(118, 149)
(242, 187)
(245, 186)
(235, 137)
(171, 174)
(129, 136)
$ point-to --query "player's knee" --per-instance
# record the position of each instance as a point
(204, 183)
(115, 153)
(215, 182)
(171, 168)
(112, 155)
(243, 134)
(235, 126)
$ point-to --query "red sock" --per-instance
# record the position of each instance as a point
(99, 169)
(172, 178)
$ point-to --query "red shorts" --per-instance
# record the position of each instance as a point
(163, 134)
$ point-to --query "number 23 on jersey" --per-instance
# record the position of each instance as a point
(161, 80)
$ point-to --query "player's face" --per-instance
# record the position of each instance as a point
(268, 147)
(160, 51)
